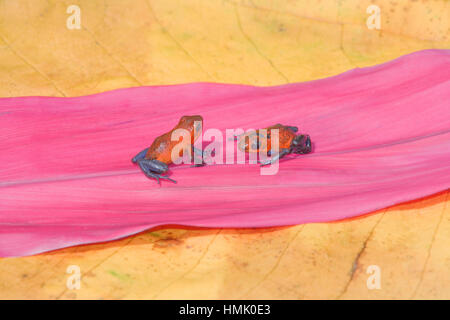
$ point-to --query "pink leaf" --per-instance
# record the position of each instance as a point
(381, 136)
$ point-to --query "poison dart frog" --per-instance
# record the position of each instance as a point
(289, 142)
(155, 160)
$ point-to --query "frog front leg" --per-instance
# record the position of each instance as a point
(198, 152)
(276, 157)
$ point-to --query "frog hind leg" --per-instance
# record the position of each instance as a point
(154, 169)
(140, 156)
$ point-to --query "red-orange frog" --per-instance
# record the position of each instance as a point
(289, 142)
(155, 160)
